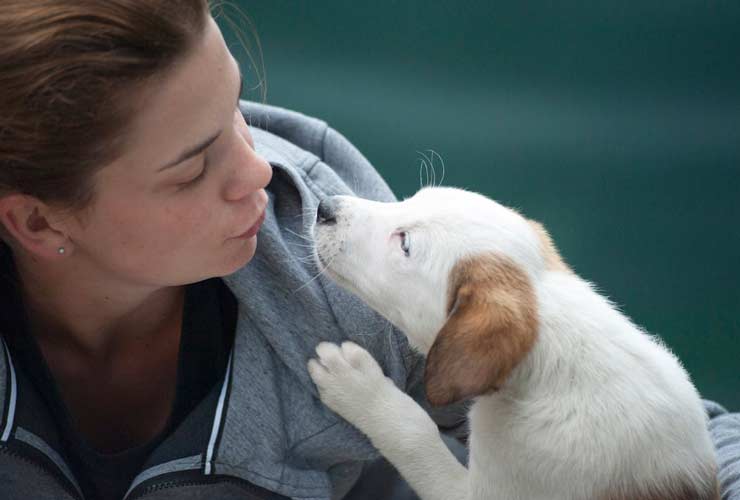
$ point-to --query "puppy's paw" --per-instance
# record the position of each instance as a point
(348, 378)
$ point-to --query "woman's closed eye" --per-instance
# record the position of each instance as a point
(195, 180)
(240, 127)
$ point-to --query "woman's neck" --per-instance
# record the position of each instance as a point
(90, 313)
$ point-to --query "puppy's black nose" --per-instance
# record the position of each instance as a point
(327, 211)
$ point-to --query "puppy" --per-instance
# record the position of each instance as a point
(572, 401)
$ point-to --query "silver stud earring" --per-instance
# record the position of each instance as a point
(61, 250)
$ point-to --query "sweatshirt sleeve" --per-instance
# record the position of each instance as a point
(724, 428)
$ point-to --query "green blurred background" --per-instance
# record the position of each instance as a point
(616, 124)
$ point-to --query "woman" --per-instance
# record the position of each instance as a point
(129, 185)
(151, 347)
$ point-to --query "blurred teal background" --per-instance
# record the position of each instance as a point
(616, 124)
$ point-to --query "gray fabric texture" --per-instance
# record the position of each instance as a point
(23, 480)
(725, 430)
(33, 440)
(211, 491)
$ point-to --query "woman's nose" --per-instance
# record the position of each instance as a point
(250, 173)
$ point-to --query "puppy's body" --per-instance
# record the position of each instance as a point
(589, 409)
(572, 401)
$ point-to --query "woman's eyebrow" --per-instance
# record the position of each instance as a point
(199, 148)
(194, 151)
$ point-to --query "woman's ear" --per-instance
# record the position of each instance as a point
(25, 220)
(491, 326)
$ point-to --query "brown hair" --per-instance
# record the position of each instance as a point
(68, 70)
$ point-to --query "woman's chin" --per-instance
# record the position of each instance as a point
(244, 252)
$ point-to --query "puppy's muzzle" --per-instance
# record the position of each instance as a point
(327, 211)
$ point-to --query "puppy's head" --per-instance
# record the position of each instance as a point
(455, 271)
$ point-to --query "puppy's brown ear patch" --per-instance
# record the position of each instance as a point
(553, 260)
(492, 325)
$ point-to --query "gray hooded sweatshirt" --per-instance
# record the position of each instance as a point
(263, 432)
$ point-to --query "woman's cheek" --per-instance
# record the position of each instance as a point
(186, 222)
(203, 219)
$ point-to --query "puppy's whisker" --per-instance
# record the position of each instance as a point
(302, 243)
(305, 212)
(302, 236)
(299, 245)
(443, 170)
(305, 259)
(433, 182)
(423, 169)
(307, 243)
(428, 164)
(426, 170)
(321, 271)
(433, 153)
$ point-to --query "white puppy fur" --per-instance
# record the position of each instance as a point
(572, 401)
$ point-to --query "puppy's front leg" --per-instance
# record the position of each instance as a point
(352, 384)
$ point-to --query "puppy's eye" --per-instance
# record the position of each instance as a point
(405, 243)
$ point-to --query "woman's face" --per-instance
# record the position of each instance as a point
(162, 216)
